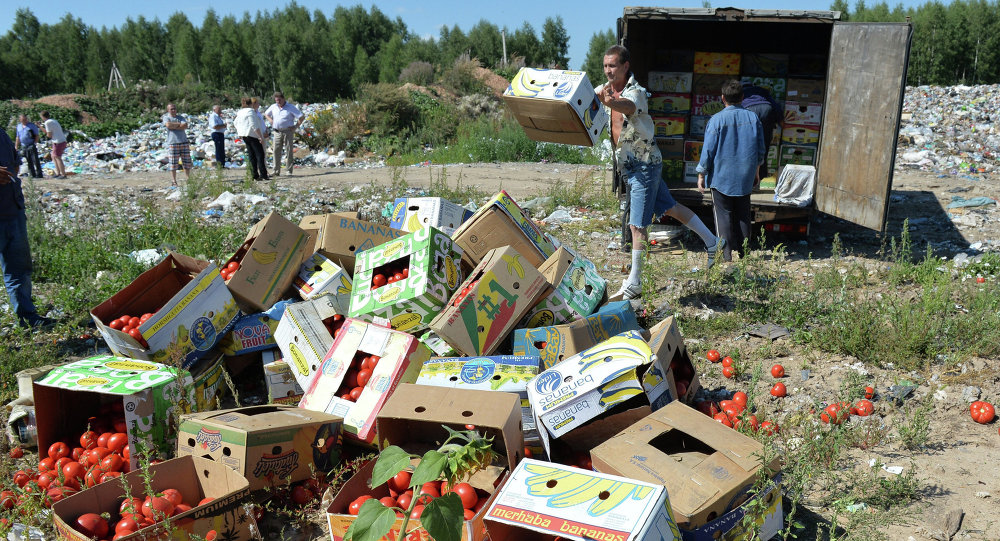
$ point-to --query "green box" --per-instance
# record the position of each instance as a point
(578, 290)
(150, 395)
(797, 155)
(673, 170)
(433, 263)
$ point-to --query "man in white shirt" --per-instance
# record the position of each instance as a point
(218, 135)
(251, 130)
(54, 131)
(285, 118)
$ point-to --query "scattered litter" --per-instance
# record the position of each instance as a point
(958, 201)
(226, 200)
(895, 470)
(769, 330)
(148, 257)
(560, 216)
(901, 392)
(855, 507)
(983, 494)
(970, 394)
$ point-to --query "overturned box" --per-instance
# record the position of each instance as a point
(269, 259)
(498, 223)
(318, 275)
(413, 213)
(707, 468)
(400, 356)
(498, 293)
(563, 502)
(578, 290)
(228, 514)
(148, 395)
(557, 106)
(594, 382)
(341, 236)
(555, 343)
(191, 311)
(407, 281)
(269, 445)
(673, 366)
(279, 378)
(303, 335)
(253, 332)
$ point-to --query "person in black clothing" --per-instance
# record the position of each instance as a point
(759, 101)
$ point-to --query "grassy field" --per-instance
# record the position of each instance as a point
(901, 311)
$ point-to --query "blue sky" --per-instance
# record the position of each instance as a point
(582, 18)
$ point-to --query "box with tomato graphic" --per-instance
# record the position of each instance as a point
(112, 393)
(180, 309)
(555, 343)
(321, 276)
(500, 291)
(413, 213)
(263, 267)
(225, 495)
(269, 445)
(498, 223)
(563, 502)
(413, 420)
(305, 333)
(360, 371)
(578, 290)
(708, 469)
(408, 280)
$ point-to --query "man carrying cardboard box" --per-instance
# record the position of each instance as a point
(639, 162)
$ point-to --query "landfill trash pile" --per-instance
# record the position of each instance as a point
(950, 130)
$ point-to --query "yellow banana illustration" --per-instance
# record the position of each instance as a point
(413, 223)
(264, 258)
(514, 265)
(345, 285)
(615, 397)
(524, 85)
(565, 488)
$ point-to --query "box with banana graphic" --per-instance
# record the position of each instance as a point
(556, 106)
(500, 290)
(408, 280)
(320, 276)
(267, 262)
(413, 213)
(578, 290)
(554, 343)
(593, 382)
(571, 503)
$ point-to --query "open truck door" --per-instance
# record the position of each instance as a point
(866, 79)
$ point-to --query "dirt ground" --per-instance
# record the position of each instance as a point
(954, 470)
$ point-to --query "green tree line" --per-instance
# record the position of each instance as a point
(308, 55)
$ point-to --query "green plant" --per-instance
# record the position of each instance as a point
(915, 431)
(460, 455)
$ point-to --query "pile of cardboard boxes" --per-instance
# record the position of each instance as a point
(369, 335)
(686, 91)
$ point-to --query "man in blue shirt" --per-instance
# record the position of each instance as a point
(734, 148)
(27, 138)
(15, 254)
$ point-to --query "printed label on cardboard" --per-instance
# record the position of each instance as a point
(669, 81)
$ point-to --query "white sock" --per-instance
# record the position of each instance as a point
(699, 227)
(633, 277)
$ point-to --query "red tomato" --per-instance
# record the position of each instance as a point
(864, 407)
(713, 356)
(126, 526)
(93, 477)
(769, 428)
(355, 507)
(157, 508)
(111, 463)
(232, 266)
(834, 414)
(56, 493)
(134, 333)
(107, 476)
(133, 322)
(97, 454)
(6, 499)
(102, 440)
(405, 273)
(388, 501)
(417, 511)
(363, 376)
(729, 372)
(58, 450)
(145, 317)
(405, 499)
(74, 470)
(16, 452)
(467, 493)
(351, 378)
(378, 281)
(203, 501)
(724, 419)
(301, 495)
(45, 479)
(740, 398)
(133, 506)
(777, 371)
(125, 319)
(400, 482)
(432, 488)
(779, 390)
(21, 477)
(181, 508)
(982, 412)
(173, 495)
(77, 453)
(397, 277)
(869, 392)
(92, 525)
(117, 442)
(727, 361)
(116, 325)
(356, 393)
(46, 464)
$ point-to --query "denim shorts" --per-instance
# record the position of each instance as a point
(649, 196)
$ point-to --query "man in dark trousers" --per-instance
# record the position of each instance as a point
(15, 254)
(759, 101)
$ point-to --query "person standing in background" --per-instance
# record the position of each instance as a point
(758, 101)
(218, 126)
(177, 143)
(285, 118)
(15, 253)
(250, 128)
(27, 141)
(54, 131)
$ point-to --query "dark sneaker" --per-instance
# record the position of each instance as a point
(713, 251)
(38, 323)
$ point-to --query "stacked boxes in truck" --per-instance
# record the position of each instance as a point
(839, 87)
